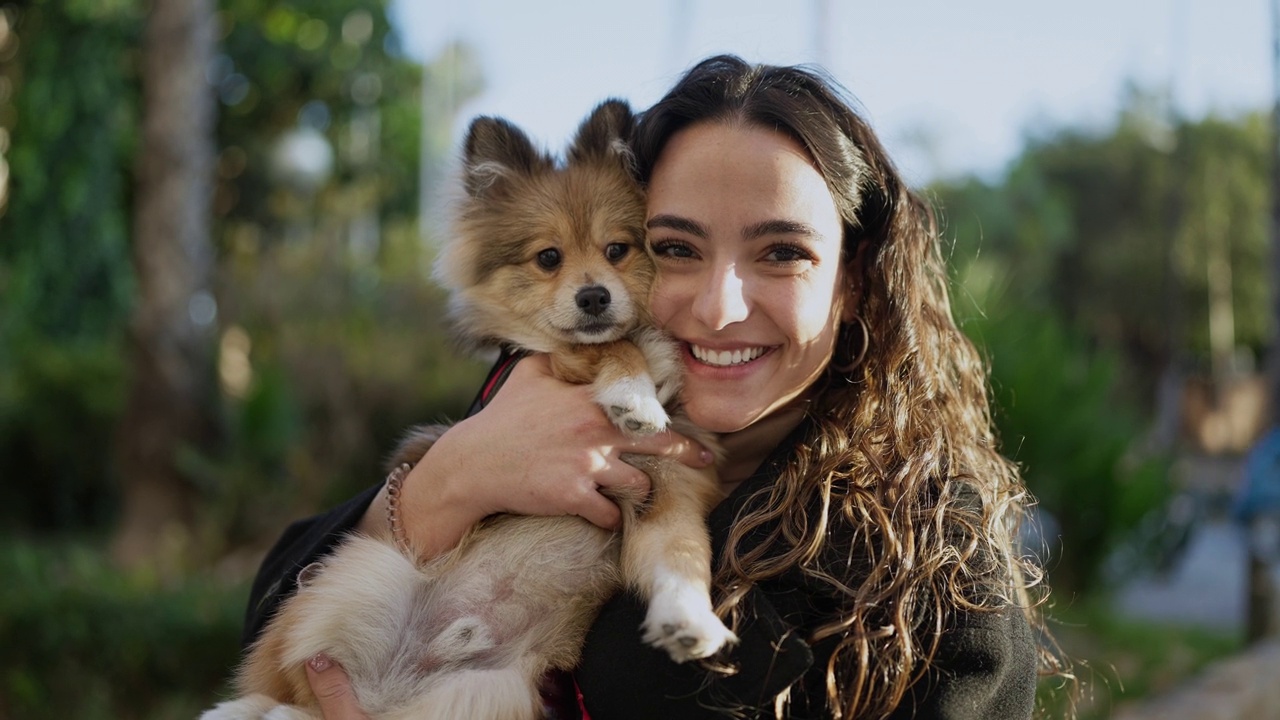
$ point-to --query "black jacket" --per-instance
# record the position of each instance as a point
(985, 668)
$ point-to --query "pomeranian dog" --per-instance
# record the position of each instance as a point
(548, 258)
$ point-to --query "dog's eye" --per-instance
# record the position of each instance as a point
(549, 259)
(616, 251)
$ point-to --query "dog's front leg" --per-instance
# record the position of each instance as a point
(621, 384)
(666, 556)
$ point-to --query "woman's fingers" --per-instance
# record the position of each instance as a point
(600, 511)
(673, 445)
(332, 688)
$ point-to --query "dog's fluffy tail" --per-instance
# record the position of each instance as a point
(500, 694)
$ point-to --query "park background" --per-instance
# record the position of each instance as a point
(217, 221)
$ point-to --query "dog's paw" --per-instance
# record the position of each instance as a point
(644, 416)
(681, 622)
(255, 707)
(633, 406)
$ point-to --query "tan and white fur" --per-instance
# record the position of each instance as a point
(548, 258)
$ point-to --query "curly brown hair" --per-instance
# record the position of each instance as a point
(901, 476)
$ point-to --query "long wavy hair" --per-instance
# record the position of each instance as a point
(899, 504)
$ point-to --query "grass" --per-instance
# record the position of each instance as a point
(1120, 660)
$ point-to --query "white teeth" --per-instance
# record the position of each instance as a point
(726, 357)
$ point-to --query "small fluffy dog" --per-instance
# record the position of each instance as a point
(547, 258)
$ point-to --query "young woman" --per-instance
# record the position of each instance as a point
(866, 551)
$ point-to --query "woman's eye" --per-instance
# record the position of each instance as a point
(786, 254)
(672, 249)
(616, 251)
(549, 259)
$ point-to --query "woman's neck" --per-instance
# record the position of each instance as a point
(745, 449)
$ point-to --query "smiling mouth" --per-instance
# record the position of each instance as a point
(726, 358)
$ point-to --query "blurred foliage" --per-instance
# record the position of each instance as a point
(1062, 420)
(78, 640)
(330, 340)
(70, 117)
(322, 377)
(1119, 659)
(334, 66)
(59, 403)
(65, 275)
(1110, 230)
(1082, 274)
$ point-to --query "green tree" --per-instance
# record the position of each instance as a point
(1060, 420)
(324, 298)
(171, 402)
(1114, 230)
(66, 283)
(321, 296)
(1087, 273)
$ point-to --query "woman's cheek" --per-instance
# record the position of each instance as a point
(820, 309)
(662, 302)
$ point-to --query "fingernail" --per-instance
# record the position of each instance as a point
(319, 663)
(706, 457)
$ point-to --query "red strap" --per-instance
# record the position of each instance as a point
(581, 706)
(498, 377)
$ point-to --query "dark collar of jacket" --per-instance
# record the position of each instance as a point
(621, 677)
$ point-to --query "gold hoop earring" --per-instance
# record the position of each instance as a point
(851, 346)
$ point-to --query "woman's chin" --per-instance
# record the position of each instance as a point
(711, 416)
(723, 415)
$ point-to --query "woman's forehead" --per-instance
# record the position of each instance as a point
(750, 176)
(730, 140)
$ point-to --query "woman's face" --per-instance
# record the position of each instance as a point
(750, 281)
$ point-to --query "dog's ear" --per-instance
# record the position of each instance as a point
(605, 134)
(496, 151)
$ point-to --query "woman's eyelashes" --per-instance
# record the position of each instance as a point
(673, 250)
(778, 256)
(787, 254)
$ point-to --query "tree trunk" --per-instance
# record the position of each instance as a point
(172, 331)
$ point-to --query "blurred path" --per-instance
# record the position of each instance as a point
(1206, 586)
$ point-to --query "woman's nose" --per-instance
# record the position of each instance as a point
(722, 299)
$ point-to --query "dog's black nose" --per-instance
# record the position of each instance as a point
(593, 300)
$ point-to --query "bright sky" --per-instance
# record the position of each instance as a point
(952, 86)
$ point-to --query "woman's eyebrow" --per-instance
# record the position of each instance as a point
(778, 227)
(751, 232)
(677, 223)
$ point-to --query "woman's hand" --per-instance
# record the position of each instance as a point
(332, 688)
(541, 447)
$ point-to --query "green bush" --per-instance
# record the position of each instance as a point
(59, 403)
(66, 283)
(79, 640)
(1063, 419)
